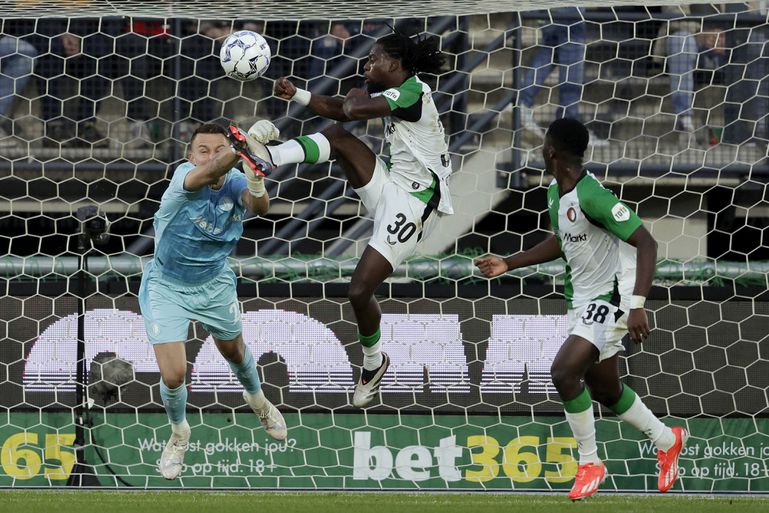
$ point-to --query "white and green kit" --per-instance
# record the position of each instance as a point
(591, 225)
(406, 194)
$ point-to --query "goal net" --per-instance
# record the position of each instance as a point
(97, 102)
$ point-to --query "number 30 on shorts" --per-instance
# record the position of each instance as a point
(401, 229)
(595, 312)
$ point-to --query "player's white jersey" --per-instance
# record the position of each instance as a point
(419, 154)
(591, 223)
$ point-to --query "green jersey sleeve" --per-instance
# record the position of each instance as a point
(553, 204)
(405, 95)
(604, 208)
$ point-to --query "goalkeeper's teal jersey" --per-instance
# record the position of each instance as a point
(195, 231)
(418, 150)
(590, 224)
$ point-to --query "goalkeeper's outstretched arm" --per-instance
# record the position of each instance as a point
(209, 172)
(259, 202)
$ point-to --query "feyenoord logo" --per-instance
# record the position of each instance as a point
(571, 214)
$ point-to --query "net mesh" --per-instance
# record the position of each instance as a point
(293, 9)
(98, 110)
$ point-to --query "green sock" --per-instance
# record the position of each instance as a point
(316, 148)
(626, 400)
(580, 403)
(372, 350)
(370, 340)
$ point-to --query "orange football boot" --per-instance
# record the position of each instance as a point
(589, 478)
(668, 460)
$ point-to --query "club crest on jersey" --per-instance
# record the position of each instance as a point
(225, 204)
(620, 212)
(571, 214)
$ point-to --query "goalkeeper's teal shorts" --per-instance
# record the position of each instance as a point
(168, 306)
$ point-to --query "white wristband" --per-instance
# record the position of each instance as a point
(302, 97)
(256, 187)
(637, 302)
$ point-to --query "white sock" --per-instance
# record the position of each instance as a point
(290, 152)
(641, 417)
(372, 356)
(583, 427)
(182, 429)
(258, 399)
(313, 148)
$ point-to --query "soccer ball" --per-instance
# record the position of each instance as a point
(245, 55)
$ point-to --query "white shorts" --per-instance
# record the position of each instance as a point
(597, 323)
(400, 219)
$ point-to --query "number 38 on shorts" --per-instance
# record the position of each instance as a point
(596, 312)
(600, 323)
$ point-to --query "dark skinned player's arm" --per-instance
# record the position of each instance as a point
(646, 260)
(362, 106)
(328, 107)
(357, 105)
(325, 106)
(547, 250)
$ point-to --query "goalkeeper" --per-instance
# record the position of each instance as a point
(199, 221)
(405, 195)
(600, 239)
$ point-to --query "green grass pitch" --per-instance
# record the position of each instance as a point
(32, 501)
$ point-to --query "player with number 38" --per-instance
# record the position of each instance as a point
(611, 259)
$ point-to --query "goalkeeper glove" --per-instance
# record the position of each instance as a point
(264, 131)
